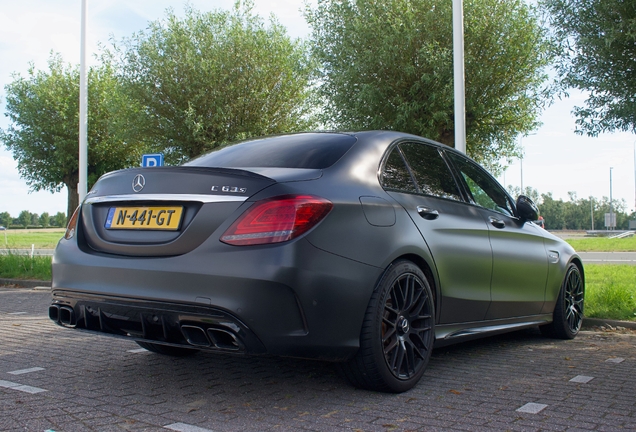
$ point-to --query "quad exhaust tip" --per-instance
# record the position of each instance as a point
(64, 315)
(213, 337)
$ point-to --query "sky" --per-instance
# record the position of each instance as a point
(556, 159)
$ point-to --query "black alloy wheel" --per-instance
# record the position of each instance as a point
(397, 334)
(573, 297)
(568, 312)
(406, 326)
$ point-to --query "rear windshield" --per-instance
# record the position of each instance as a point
(308, 150)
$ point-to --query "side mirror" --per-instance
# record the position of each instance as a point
(526, 209)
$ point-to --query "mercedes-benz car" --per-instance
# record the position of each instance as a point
(367, 249)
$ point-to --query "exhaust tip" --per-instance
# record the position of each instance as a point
(67, 316)
(224, 339)
(54, 313)
(195, 336)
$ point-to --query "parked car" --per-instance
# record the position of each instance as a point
(366, 248)
(2, 228)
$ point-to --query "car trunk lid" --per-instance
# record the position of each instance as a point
(163, 211)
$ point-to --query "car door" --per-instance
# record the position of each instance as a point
(520, 262)
(417, 177)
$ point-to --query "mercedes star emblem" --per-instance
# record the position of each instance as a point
(138, 183)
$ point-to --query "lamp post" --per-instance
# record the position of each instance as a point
(611, 218)
(458, 75)
(83, 113)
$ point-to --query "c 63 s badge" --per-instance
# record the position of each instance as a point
(229, 189)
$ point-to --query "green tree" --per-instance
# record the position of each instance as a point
(598, 56)
(5, 219)
(58, 220)
(388, 64)
(212, 78)
(45, 219)
(529, 191)
(553, 212)
(24, 218)
(44, 132)
(576, 214)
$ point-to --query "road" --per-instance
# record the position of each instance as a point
(53, 378)
(608, 257)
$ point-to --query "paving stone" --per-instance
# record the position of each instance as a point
(94, 383)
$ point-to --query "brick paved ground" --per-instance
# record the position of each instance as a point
(89, 382)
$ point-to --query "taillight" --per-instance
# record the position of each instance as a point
(72, 223)
(277, 219)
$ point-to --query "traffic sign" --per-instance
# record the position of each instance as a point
(152, 160)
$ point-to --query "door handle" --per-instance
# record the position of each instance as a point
(497, 223)
(427, 213)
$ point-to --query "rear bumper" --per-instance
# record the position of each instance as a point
(290, 299)
(156, 322)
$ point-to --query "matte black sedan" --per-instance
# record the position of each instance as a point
(364, 248)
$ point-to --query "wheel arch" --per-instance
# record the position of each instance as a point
(429, 272)
(576, 260)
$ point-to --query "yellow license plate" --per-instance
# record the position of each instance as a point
(144, 218)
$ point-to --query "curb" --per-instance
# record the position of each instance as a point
(598, 322)
(21, 283)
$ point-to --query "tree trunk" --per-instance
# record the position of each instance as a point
(447, 137)
(73, 200)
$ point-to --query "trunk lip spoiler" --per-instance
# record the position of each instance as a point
(165, 197)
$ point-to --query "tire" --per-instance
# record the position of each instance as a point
(568, 312)
(167, 350)
(397, 332)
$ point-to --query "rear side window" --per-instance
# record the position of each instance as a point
(430, 171)
(396, 175)
(309, 150)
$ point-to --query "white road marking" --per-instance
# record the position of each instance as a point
(183, 427)
(615, 360)
(16, 313)
(138, 350)
(20, 387)
(25, 371)
(532, 408)
(582, 379)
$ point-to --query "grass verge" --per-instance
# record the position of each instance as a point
(604, 244)
(23, 239)
(610, 291)
(24, 267)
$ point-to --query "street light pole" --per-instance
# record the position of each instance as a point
(611, 224)
(458, 75)
(83, 114)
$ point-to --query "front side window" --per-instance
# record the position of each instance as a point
(485, 191)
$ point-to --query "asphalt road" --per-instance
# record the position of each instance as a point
(608, 257)
(53, 378)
